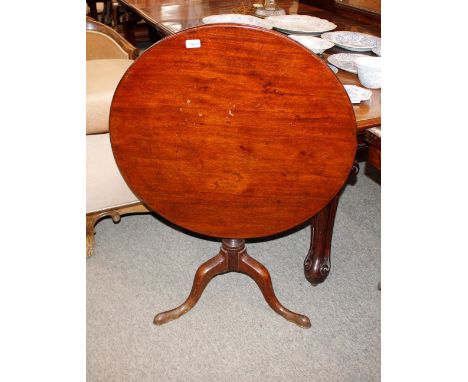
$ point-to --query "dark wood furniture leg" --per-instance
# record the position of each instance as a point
(129, 22)
(92, 9)
(107, 13)
(317, 262)
(232, 257)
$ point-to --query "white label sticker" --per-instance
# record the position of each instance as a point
(192, 44)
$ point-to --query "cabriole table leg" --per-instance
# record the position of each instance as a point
(232, 257)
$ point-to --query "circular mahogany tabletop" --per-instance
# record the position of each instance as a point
(232, 131)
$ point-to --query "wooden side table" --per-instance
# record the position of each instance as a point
(234, 132)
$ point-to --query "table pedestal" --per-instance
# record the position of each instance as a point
(232, 257)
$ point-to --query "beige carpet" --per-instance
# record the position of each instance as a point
(142, 267)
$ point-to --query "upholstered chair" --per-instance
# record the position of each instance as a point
(108, 56)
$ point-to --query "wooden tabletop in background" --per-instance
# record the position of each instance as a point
(172, 16)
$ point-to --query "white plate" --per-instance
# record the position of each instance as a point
(345, 61)
(237, 19)
(376, 50)
(354, 41)
(357, 94)
(300, 24)
(315, 44)
(333, 68)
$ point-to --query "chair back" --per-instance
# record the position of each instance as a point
(102, 42)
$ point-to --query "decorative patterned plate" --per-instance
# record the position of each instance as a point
(237, 19)
(354, 41)
(315, 44)
(300, 24)
(376, 50)
(357, 94)
(345, 61)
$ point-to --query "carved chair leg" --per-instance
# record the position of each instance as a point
(317, 262)
(205, 273)
(93, 217)
(232, 257)
(90, 222)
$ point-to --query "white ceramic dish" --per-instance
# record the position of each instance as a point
(376, 50)
(237, 19)
(315, 44)
(357, 94)
(345, 61)
(369, 71)
(333, 68)
(354, 41)
(300, 24)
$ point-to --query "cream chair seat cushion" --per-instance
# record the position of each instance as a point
(105, 187)
(102, 78)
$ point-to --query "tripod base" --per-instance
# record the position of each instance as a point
(232, 257)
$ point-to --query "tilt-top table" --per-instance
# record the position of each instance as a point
(233, 132)
(172, 16)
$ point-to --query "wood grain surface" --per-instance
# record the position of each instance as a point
(247, 136)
